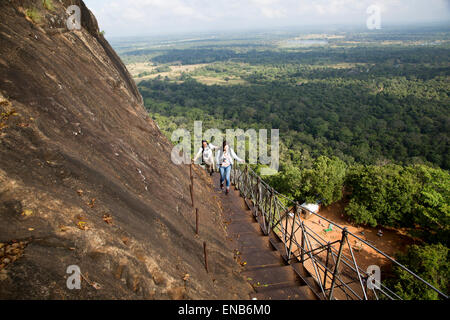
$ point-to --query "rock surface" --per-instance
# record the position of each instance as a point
(86, 177)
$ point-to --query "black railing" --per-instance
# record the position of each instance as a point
(333, 265)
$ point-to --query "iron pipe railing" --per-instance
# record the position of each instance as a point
(274, 213)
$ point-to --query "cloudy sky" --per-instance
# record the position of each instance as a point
(148, 17)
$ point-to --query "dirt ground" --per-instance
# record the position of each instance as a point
(392, 242)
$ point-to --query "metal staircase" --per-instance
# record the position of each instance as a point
(286, 259)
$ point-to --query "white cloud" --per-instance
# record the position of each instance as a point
(273, 13)
(133, 17)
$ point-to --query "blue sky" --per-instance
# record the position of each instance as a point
(149, 17)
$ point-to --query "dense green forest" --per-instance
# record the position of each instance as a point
(392, 107)
(365, 121)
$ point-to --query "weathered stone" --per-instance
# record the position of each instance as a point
(54, 85)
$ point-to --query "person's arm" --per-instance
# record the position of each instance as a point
(213, 147)
(198, 154)
(234, 155)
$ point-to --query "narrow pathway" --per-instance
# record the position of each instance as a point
(264, 266)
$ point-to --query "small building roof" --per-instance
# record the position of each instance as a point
(313, 207)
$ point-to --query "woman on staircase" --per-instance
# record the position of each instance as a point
(225, 158)
(206, 152)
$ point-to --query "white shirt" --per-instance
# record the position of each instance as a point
(225, 159)
(207, 154)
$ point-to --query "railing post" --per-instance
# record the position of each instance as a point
(264, 211)
(236, 181)
(246, 182)
(286, 218)
(271, 208)
(357, 270)
(296, 208)
(326, 266)
(338, 260)
(258, 194)
(302, 245)
(192, 186)
(205, 252)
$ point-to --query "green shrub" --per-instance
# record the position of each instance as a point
(431, 263)
(432, 205)
(394, 195)
(323, 181)
(34, 15)
(288, 181)
(359, 214)
(48, 4)
(386, 193)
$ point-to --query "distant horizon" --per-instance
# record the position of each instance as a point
(149, 18)
(307, 29)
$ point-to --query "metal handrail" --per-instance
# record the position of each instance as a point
(257, 194)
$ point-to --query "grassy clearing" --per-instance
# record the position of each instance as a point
(34, 15)
(143, 71)
(219, 81)
(48, 4)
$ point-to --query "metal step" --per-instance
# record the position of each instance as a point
(256, 259)
(300, 270)
(286, 293)
(237, 226)
(280, 247)
(306, 278)
(262, 257)
(250, 240)
(270, 276)
(297, 266)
